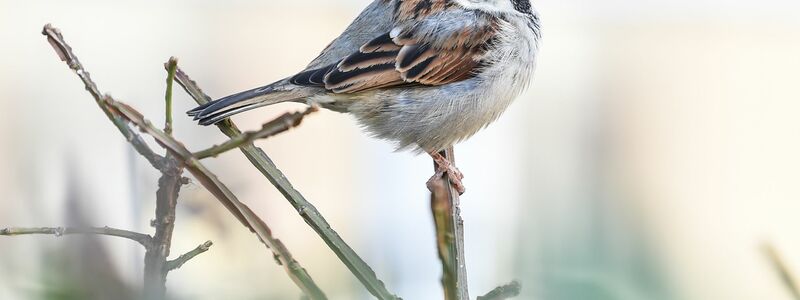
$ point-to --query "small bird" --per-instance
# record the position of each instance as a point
(424, 74)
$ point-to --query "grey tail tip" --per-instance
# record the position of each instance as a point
(206, 117)
(215, 111)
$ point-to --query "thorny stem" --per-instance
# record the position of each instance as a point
(449, 234)
(269, 129)
(140, 238)
(307, 211)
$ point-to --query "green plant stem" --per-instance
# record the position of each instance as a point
(172, 66)
(310, 214)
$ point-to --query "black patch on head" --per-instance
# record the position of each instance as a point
(523, 6)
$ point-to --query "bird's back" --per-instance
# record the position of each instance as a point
(375, 20)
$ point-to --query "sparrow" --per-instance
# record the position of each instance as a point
(424, 74)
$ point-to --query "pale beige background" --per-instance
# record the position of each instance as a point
(655, 152)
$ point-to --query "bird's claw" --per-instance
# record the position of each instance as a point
(444, 166)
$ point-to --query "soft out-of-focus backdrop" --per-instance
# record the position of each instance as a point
(656, 151)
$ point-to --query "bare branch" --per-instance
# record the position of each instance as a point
(269, 129)
(64, 51)
(449, 234)
(191, 87)
(503, 292)
(122, 114)
(783, 270)
(310, 214)
(224, 195)
(155, 259)
(140, 238)
(178, 262)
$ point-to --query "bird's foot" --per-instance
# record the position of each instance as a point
(445, 166)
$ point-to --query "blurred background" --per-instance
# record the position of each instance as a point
(653, 156)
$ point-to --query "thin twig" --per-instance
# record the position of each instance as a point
(310, 214)
(503, 292)
(210, 181)
(140, 238)
(788, 279)
(64, 51)
(171, 66)
(269, 129)
(122, 114)
(178, 262)
(449, 234)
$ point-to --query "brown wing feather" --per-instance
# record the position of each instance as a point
(408, 58)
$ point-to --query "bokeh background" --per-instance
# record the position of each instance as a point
(654, 155)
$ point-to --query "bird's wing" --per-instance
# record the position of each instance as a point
(432, 42)
(375, 19)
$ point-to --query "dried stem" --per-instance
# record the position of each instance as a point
(140, 238)
(210, 181)
(64, 51)
(788, 279)
(178, 262)
(449, 234)
(271, 128)
(310, 214)
(122, 114)
(503, 292)
(155, 258)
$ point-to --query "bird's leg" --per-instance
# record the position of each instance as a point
(444, 166)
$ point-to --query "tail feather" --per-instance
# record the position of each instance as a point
(218, 116)
(218, 110)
